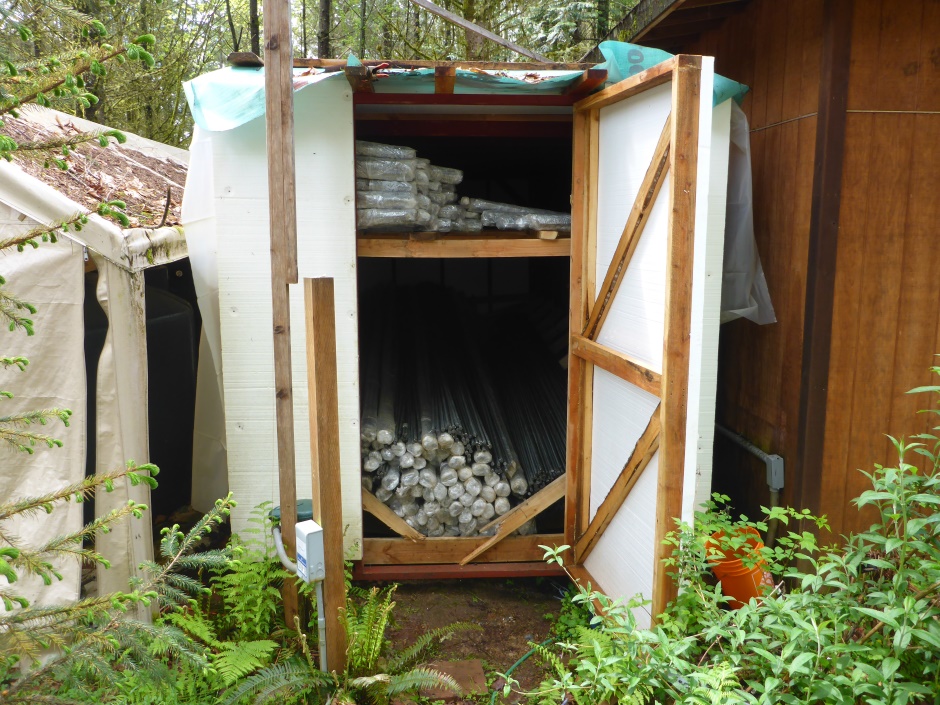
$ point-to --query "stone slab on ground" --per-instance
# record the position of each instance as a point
(469, 674)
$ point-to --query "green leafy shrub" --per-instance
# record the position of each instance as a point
(860, 622)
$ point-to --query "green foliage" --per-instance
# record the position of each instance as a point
(859, 623)
(571, 615)
(371, 674)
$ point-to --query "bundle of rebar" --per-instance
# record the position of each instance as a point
(398, 191)
(450, 439)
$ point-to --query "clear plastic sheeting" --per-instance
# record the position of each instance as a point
(744, 292)
(385, 169)
(386, 217)
(382, 185)
(384, 151)
(389, 200)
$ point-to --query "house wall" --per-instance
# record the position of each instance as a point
(885, 314)
(774, 48)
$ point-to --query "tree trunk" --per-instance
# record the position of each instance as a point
(362, 29)
(254, 27)
(603, 19)
(323, 30)
(474, 40)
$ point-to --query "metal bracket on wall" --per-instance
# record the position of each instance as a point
(773, 461)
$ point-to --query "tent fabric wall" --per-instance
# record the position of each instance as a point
(121, 409)
(51, 278)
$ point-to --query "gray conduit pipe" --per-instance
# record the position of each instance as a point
(774, 464)
(292, 567)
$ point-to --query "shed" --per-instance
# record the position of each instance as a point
(845, 130)
(52, 277)
(644, 166)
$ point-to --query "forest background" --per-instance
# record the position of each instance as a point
(195, 36)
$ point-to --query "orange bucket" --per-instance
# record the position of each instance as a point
(738, 581)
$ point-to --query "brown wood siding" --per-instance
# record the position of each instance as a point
(885, 315)
(773, 47)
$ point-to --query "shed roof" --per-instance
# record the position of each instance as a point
(140, 172)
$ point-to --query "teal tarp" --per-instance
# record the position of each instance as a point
(224, 99)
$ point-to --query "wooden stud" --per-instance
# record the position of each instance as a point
(279, 122)
(444, 79)
(394, 522)
(617, 363)
(519, 515)
(450, 550)
(583, 578)
(360, 78)
(324, 446)
(654, 76)
(503, 244)
(588, 82)
(647, 444)
(632, 232)
(683, 158)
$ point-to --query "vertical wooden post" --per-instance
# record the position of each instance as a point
(683, 166)
(279, 118)
(324, 451)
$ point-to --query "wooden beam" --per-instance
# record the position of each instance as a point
(683, 165)
(533, 569)
(647, 444)
(654, 76)
(444, 79)
(394, 522)
(279, 122)
(425, 64)
(501, 244)
(320, 310)
(617, 363)
(588, 82)
(519, 515)
(632, 232)
(514, 549)
(360, 78)
(477, 29)
(823, 248)
(509, 99)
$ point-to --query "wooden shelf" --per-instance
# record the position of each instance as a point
(449, 245)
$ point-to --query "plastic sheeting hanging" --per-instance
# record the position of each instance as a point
(744, 292)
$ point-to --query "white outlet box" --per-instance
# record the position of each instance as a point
(310, 564)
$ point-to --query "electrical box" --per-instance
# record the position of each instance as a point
(310, 551)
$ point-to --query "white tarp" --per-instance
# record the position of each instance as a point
(50, 278)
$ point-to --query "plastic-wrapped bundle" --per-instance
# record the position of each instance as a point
(441, 225)
(481, 205)
(469, 226)
(385, 169)
(387, 200)
(450, 212)
(422, 217)
(423, 202)
(379, 218)
(443, 198)
(434, 185)
(383, 185)
(384, 151)
(531, 221)
(445, 174)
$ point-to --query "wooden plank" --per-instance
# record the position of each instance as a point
(519, 515)
(647, 444)
(450, 550)
(533, 569)
(823, 234)
(279, 122)
(360, 78)
(320, 311)
(458, 245)
(686, 94)
(617, 363)
(654, 76)
(587, 83)
(582, 577)
(444, 79)
(477, 29)
(511, 99)
(380, 511)
(423, 118)
(431, 64)
(632, 232)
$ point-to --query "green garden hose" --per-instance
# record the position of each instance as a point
(517, 664)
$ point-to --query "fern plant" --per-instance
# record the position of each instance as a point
(370, 676)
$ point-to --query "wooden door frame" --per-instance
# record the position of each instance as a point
(676, 158)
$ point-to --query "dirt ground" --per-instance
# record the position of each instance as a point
(510, 613)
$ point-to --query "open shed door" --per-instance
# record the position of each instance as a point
(650, 179)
